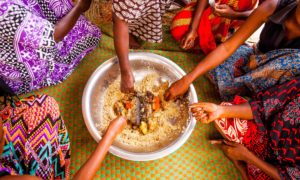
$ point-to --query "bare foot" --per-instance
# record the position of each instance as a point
(133, 43)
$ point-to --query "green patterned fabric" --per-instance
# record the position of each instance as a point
(196, 159)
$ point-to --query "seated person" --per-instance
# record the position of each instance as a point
(237, 69)
(34, 140)
(262, 136)
(135, 19)
(42, 42)
(209, 25)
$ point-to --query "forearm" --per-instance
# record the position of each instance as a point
(269, 169)
(212, 60)
(242, 111)
(65, 25)
(92, 165)
(226, 49)
(121, 43)
(200, 7)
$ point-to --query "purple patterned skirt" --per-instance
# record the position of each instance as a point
(30, 59)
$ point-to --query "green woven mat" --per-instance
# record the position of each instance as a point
(196, 159)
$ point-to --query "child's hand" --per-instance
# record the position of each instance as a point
(117, 125)
(206, 112)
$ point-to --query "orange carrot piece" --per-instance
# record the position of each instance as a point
(128, 105)
(156, 103)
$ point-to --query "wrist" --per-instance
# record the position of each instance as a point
(247, 156)
(222, 110)
(78, 9)
(188, 79)
(193, 30)
(126, 71)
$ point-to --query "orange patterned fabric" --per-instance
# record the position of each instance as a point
(212, 29)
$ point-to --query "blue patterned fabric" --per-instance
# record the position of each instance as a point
(245, 72)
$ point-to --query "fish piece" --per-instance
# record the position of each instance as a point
(136, 111)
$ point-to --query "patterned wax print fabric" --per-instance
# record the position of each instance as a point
(36, 139)
(144, 17)
(212, 29)
(29, 57)
(245, 73)
(274, 134)
(245, 132)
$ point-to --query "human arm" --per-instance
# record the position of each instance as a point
(92, 165)
(224, 50)
(65, 25)
(208, 112)
(187, 41)
(121, 43)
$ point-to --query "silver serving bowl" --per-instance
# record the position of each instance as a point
(142, 64)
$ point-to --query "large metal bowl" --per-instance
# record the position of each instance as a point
(142, 64)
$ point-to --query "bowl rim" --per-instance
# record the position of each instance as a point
(135, 156)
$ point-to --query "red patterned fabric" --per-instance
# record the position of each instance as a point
(277, 113)
(233, 129)
(212, 29)
(274, 134)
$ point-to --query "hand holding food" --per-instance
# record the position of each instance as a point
(206, 112)
(177, 89)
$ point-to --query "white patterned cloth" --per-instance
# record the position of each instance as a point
(144, 17)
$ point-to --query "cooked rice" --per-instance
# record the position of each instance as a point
(169, 125)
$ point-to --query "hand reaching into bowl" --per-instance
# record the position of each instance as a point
(93, 164)
(127, 83)
(178, 88)
(117, 125)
